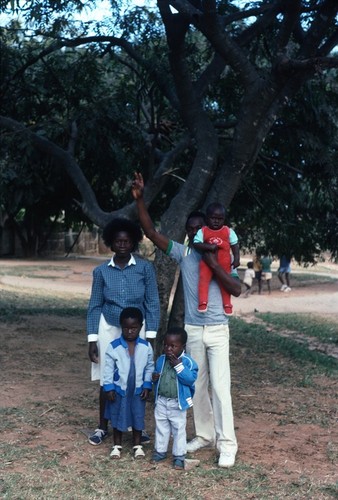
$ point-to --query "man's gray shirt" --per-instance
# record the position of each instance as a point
(189, 260)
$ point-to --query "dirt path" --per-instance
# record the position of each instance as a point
(315, 299)
(74, 275)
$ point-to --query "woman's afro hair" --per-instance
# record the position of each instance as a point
(119, 225)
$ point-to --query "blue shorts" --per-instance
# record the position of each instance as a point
(285, 269)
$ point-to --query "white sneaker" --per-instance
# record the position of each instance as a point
(287, 289)
(226, 459)
(196, 444)
(283, 287)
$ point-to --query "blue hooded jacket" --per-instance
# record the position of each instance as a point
(186, 375)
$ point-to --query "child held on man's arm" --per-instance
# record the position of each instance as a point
(217, 238)
(127, 381)
(174, 377)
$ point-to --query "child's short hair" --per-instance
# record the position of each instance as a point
(177, 330)
(250, 264)
(215, 206)
(131, 312)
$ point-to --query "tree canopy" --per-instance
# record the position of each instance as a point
(229, 101)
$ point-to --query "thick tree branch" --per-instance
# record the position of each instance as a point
(291, 12)
(209, 23)
(64, 159)
(323, 22)
(286, 66)
(246, 13)
(211, 74)
(263, 22)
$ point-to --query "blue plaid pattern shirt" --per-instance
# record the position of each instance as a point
(114, 288)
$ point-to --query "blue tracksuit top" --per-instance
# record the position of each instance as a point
(117, 366)
(186, 374)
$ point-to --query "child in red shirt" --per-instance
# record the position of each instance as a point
(216, 237)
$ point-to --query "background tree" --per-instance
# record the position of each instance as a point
(292, 189)
(212, 89)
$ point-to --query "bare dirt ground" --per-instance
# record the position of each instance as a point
(75, 276)
(45, 376)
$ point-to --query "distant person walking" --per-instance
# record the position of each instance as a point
(248, 278)
(257, 267)
(266, 262)
(284, 272)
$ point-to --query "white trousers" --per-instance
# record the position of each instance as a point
(170, 420)
(209, 346)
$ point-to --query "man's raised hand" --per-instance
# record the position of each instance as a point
(137, 186)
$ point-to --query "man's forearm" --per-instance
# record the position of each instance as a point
(157, 238)
(204, 247)
(229, 283)
(145, 220)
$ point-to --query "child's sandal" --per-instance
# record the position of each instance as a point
(116, 452)
(138, 451)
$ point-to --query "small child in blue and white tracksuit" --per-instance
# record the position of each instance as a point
(127, 380)
(174, 377)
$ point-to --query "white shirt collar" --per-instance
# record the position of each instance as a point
(132, 261)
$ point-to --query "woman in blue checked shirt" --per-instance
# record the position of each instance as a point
(126, 280)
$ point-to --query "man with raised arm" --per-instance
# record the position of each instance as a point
(208, 334)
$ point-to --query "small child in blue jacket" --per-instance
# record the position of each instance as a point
(127, 380)
(174, 377)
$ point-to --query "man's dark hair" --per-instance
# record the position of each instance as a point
(122, 225)
(133, 313)
(178, 330)
(195, 213)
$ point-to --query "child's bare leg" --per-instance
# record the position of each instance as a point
(117, 437)
(103, 421)
(136, 437)
(117, 448)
